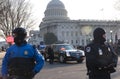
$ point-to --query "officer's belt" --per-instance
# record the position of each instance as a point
(101, 68)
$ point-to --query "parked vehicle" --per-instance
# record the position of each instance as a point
(66, 52)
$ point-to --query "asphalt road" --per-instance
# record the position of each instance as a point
(70, 70)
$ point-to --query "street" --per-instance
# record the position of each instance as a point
(70, 70)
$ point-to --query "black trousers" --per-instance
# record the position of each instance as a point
(99, 76)
(19, 77)
(51, 58)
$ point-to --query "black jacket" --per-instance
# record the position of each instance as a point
(99, 57)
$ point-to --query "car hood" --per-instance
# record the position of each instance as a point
(75, 51)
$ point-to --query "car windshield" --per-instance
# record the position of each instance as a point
(66, 47)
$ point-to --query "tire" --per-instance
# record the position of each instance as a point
(61, 59)
(79, 61)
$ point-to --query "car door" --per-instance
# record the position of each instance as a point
(55, 50)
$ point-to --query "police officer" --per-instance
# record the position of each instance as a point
(99, 57)
(22, 60)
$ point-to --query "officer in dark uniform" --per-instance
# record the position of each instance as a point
(22, 60)
(99, 57)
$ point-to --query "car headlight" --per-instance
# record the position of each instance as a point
(67, 54)
(83, 53)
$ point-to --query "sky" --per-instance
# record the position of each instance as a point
(81, 9)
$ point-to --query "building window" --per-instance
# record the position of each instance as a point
(72, 41)
(63, 34)
(83, 42)
(76, 41)
(71, 33)
(38, 35)
(76, 27)
(76, 33)
(67, 33)
(80, 33)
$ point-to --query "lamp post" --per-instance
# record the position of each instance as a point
(111, 35)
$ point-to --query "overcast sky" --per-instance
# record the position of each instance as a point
(81, 9)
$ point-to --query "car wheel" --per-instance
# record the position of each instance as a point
(79, 61)
(61, 59)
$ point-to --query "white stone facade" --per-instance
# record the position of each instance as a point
(79, 32)
(34, 37)
(75, 32)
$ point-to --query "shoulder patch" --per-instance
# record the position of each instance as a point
(88, 49)
(25, 52)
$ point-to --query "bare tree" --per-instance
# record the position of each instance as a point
(15, 13)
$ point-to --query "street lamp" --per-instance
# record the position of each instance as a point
(111, 35)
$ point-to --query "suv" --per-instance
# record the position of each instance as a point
(66, 52)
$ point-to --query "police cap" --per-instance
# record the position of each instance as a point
(19, 31)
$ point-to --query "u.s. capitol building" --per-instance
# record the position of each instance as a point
(75, 32)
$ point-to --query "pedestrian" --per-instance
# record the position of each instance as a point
(51, 54)
(100, 62)
(22, 60)
(117, 47)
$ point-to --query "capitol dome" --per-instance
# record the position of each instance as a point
(55, 11)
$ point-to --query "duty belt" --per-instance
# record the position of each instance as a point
(100, 68)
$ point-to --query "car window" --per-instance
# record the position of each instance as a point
(66, 47)
(62, 47)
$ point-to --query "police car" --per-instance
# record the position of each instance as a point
(66, 52)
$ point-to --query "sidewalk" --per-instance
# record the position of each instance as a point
(1, 56)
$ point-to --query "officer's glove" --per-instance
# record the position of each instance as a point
(111, 69)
